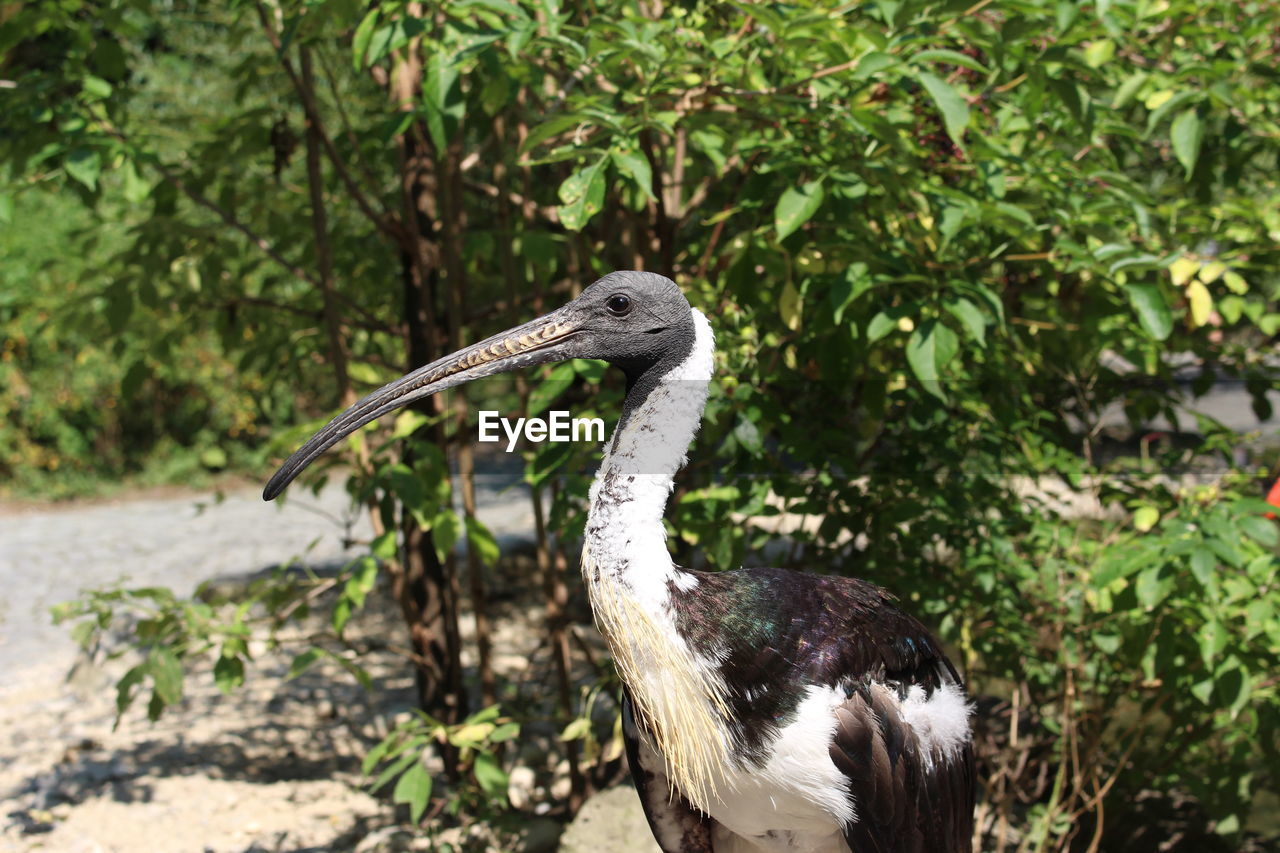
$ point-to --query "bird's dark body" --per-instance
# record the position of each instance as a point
(781, 631)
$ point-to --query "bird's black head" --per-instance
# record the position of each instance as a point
(637, 321)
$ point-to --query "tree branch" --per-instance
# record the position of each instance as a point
(338, 354)
(229, 219)
(387, 221)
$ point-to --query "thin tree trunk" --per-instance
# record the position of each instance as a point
(338, 355)
(426, 587)
(453, 229)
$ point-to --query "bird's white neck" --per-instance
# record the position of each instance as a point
(624, 528)
(632, 582)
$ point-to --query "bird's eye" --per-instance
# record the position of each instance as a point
(619, 305)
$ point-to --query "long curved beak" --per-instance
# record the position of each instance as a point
(537, 342)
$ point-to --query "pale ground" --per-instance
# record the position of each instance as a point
(274, 766)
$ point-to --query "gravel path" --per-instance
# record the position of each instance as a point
(275, 765)
(49, 556)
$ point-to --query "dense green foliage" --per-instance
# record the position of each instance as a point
(938, 241)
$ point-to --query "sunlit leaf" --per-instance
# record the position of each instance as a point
(954, 109)
(1152, 309)
(796, 206)
(1145, 518)
(166, 672)
(922, 356)
(1186, 134)
(479, 538)
(490, 775)
(635, 166)
(1199, 302)
(413, 789)
(84, 164)
(789, 305)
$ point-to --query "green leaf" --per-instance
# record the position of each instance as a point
(954, 108)
(443, 100)
(1152, 310)
(1128, 89)
(549, 128)
(374, 756)
(354, 592)
(1108, 643)
(582, 194)
(6, 208)
(1145, 518)
(445, 530)
(881, 324)
(133, 379)
(479, 538)
(953, 217)
(950, 57)
(1233, 685)
(1099, 53)
(136, 189)
(394, 769)
(1151, 588)
(84, 164)
(379, 44)
(303, 662)
(125, 687)
(228, 673)
(1166, 106)
(947, 346)
(796, 206)
(922, 356)
(360, 41)
(1212, 639)
(340, 615)
(636, 167)
(577, 729)
(213, 458)
(1260, 529)
(166, 673)
(493, 780)
(414, 789)
(848, 287)
(505, 732)
(971, 319)
(1186, 134)
(96, 87)
(790, 305)
(1203, 564)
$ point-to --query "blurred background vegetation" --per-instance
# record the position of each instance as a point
(973, 269)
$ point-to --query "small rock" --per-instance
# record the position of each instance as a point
(520, 786)
(561, 788)
(561, 785)
(612, 821)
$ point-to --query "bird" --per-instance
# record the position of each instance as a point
(764, 710)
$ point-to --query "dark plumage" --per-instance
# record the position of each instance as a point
(784, 630)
